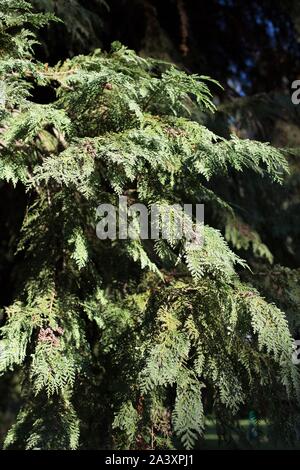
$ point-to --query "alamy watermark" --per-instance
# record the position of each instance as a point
(2, 94)
(296, 94)
(296, 353)
(159, 221)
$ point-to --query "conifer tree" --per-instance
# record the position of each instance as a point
(129, 343)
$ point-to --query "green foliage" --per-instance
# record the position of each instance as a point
(127, 421)
(16, 14)
(160, 332)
